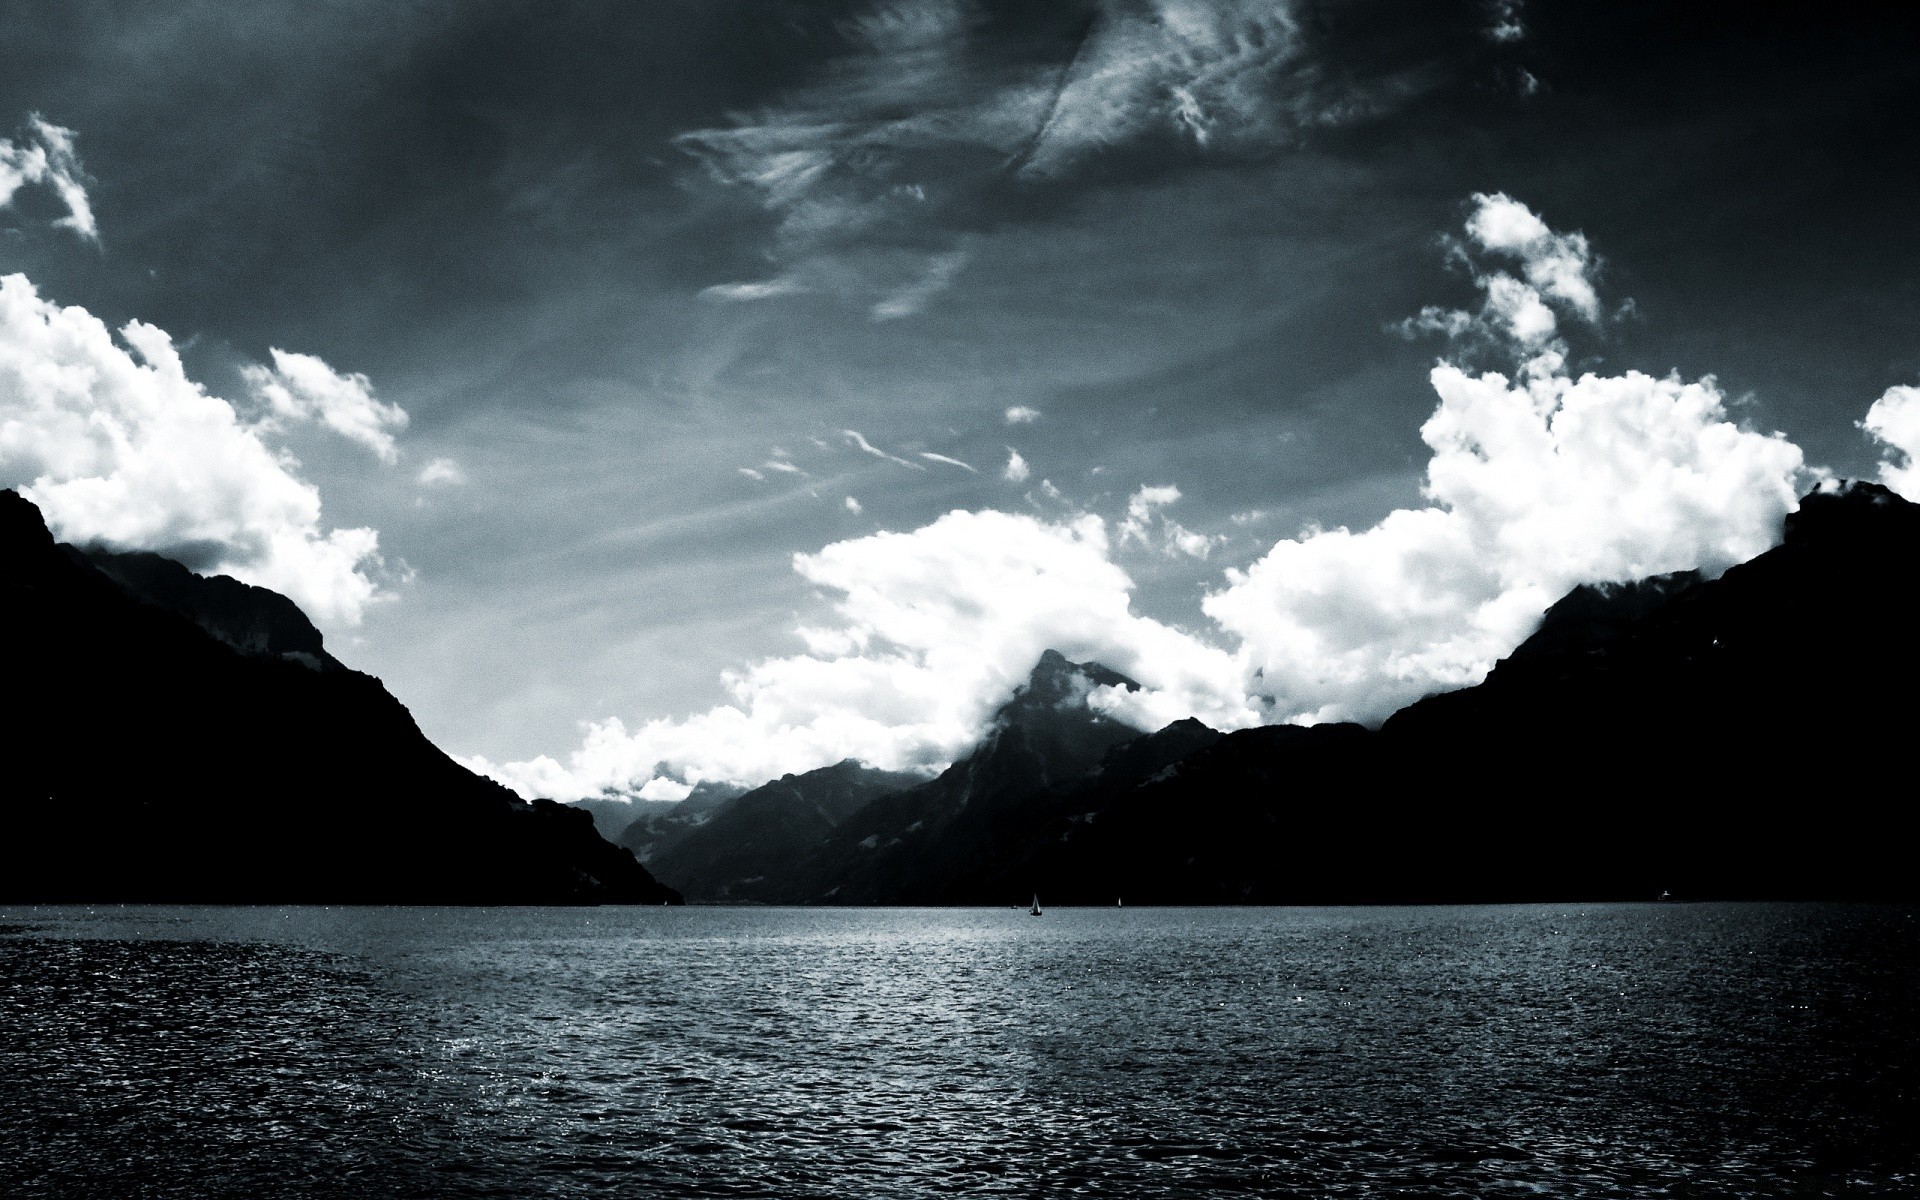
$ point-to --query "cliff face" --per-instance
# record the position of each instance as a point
(171, 738)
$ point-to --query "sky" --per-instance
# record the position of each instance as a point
(655, 393)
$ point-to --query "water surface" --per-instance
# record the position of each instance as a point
(1613, 1050)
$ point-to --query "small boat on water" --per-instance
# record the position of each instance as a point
(1035, 910)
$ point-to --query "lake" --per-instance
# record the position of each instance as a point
(1562, 1050)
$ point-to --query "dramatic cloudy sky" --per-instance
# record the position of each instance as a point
(703, 390)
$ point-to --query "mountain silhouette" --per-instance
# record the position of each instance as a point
(1739, 737)
(907, 845)
(739, 850)
(174, 738)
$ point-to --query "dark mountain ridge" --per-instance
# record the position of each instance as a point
(1727, 738)
(172, 738)
(741, 850)
(1732, 737)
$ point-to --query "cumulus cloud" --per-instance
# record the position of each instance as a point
(302, 387)
(852, 505)
(118, 446)
(1520, 314)
(1894, 420)
(1016, 470)
(1020, 414)
(46, 157)
(933, 629)
(1536, 484)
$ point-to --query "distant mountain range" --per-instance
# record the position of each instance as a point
(1747, 736)
(170, 737)
(178, 738)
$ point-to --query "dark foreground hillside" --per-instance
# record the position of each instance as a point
(171, 738)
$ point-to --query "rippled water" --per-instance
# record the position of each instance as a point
(1696, 1050)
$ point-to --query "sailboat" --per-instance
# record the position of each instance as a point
(1035, 910)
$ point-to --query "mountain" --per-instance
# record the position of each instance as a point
(172, 738)
(251, 619)
(737, 851)
(651, 820)
(611, 815)
(658, 822)
(1740, 737)
(907, 847)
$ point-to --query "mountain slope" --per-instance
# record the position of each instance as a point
(741, 848)
(909, 848)
(1743, 737)
(203, 747)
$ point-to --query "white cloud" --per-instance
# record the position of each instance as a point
(122, 448)
(1519, 313)
(783, 466)
(933, 630)
(852, 505)
(302, 387)
(1016, 470)
(1537, 483)
(1175, 539)
(930, 456)
(1537, 486)
(859, 441)
(1020, 414)
(442, 472)
(752, 474)
(47, 157)
(1894, 420)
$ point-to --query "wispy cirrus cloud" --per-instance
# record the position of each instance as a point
(935, 112)
(859, 441)
(930, 456)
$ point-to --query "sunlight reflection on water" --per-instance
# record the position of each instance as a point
(1573, 1050)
